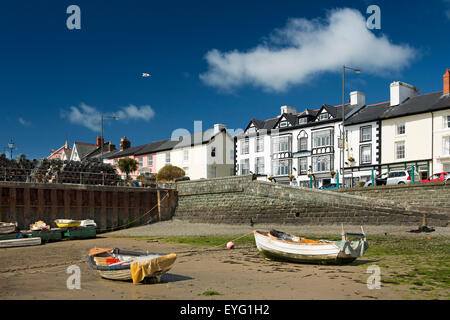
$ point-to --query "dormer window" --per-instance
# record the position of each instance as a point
(302, 120)
(283, 124)
(323, 116)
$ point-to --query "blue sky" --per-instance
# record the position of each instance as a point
(210, 61)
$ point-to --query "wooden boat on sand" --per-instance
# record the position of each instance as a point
(277, 245)
(7, 227)
(67, 223)
(117, 264)
(22, 242)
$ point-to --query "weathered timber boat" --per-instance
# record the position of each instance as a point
(67, 223)
(22, 242)
(117, 264)
(7, 227)
(277, 245)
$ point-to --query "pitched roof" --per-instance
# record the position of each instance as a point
(368, 113)
(83, 149)
(164, 145)
(419, 104)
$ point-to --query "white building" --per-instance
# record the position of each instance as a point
(201, 155)
(302, 147)
(409, 130)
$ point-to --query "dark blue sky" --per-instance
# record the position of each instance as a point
(46, 68)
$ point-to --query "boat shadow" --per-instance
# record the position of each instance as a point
(362, 261)
(171, 277)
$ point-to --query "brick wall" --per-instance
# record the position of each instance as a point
(239, 199)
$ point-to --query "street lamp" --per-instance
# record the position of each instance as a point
(343, 117)
(101, 141)
(11, 147)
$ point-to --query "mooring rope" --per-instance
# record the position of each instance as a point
(138, 218)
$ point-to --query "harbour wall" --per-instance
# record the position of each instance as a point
(241, 199)
(111, 207)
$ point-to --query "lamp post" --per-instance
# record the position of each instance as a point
(11, 147)
(343, 117)
(101, 142)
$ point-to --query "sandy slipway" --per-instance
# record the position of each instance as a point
(179, 228)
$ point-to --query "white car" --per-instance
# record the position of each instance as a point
(401, 177)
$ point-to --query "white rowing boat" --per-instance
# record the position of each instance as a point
(7, 227)
(277, 245)
(22, 242)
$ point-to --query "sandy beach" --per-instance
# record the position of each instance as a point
(40, 272)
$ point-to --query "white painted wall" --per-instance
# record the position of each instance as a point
(417, 137)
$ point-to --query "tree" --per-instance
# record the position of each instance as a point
(127, 165)
(169, 173)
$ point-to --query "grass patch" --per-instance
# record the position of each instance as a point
(211, 293)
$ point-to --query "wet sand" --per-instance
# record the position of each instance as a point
(240, 273)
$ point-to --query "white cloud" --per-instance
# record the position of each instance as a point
(304, 48)
(90, 117)
(24, 122)
(136, 113)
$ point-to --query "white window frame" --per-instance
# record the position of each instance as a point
(446, 145)
(397, 145)
(245, 146)
(186, 155)
(168, 157)
(282, 144)
(398, 127)
(259, 165)
(259, 145)
(245, 166)
(446, 121)
(323, 138)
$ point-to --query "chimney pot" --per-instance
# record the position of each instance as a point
(124, 143)
(400, 91)
(218, 127)
(447, 82)
(288, 109)
(357, 98)
(99, 141)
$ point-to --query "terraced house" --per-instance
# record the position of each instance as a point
(409, 129)
(207, 154)
(304, 145)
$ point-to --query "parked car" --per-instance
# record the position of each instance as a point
(400, 177)
(330, 186)
(380, 180)
(442, 176)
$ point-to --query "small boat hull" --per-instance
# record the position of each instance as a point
(6, 227)
(67, 223)
(123, 272)
(298, 250)
(22, 242)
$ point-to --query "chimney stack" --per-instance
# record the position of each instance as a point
(124, 143)
(357, 98)
(288, 109)
(401, 91)
(99, 141)
(218, 127)
(447, 82)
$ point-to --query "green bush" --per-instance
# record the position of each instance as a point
(169, 173)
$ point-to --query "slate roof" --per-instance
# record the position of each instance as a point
(83, 149)
(164, 145)
(419, 104)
